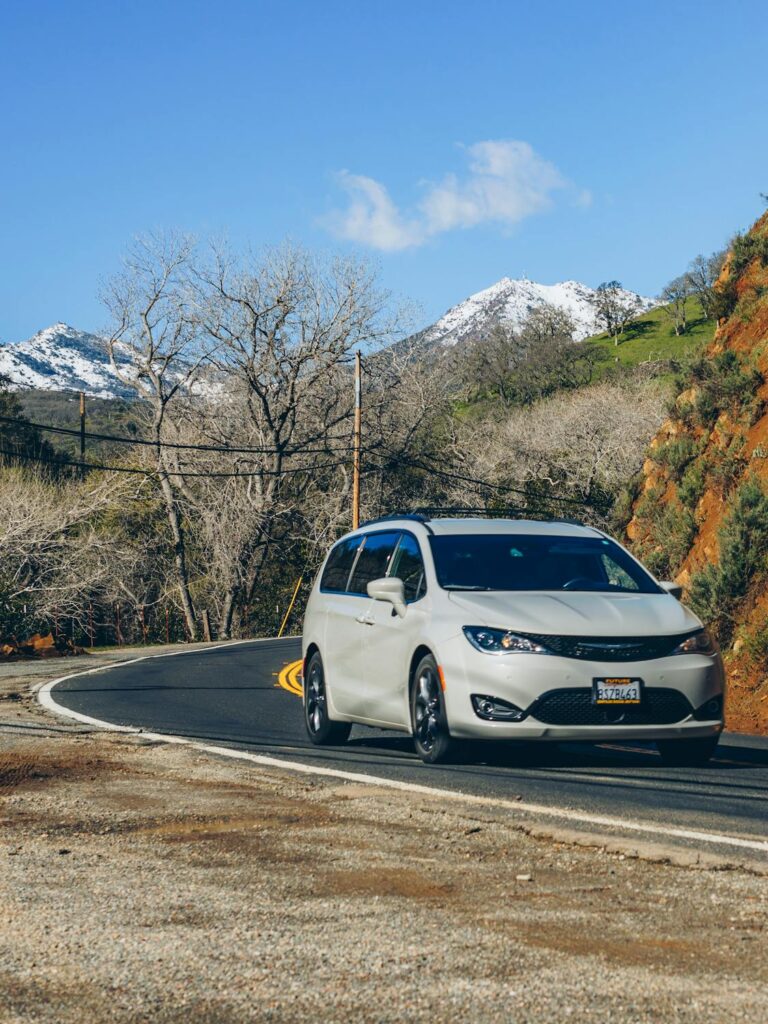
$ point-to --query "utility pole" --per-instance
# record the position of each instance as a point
(82, 433)
(356, 443)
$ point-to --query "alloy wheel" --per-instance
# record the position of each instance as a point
(427, 708)
(315, 698)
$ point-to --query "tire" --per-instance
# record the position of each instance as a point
(431, 736)
(320, 729)
(688, 753)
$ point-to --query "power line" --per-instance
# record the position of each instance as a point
(461, 478)
(168, 472)
(121, 439)
(390, 454)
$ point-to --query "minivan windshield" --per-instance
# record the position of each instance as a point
(537, 562)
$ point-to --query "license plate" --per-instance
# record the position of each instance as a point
(617, 690)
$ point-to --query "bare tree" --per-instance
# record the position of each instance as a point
(286, 328)
(582, 445)
(521, 367)
(703, 273)
(547, 322)
(157, 348)
(614, 308)
(53, 556)
(675, 296)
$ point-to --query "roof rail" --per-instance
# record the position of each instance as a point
(416, 517)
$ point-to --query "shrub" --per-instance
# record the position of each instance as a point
(724, 385)
(623, 508)
(756, 644)
(692, 486)
(676, 454)
(727, 465)
(725, 299)
(670, 534)
(743, 540)
(747, 248)
(649, 501)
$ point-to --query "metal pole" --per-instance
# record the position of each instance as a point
(290, 607)
(356, 443)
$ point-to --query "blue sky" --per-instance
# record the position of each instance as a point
(455, 143)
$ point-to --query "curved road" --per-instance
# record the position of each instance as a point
(245, 696)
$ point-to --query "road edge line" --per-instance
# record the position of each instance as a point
(45, 698)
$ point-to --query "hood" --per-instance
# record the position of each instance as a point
(577, 614)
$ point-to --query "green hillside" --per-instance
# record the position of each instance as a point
(103, 416)
(651, 338)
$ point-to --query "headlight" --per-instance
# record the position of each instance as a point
(700, 643)
(501, 641)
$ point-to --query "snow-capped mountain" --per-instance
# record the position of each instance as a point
(510, 301)
(61, 358)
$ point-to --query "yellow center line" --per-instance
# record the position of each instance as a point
(290, 678)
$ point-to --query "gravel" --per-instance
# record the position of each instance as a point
(147, 882)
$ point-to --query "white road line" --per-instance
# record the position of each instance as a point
(518, 807)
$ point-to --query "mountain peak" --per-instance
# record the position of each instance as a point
(511, 300)
(62, 358)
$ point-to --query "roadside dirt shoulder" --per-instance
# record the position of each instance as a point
(149, 882)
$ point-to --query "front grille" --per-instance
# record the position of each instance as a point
(574, 706)
(609, 648)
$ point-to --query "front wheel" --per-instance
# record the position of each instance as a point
(428, 718)
(320, 729)
(687, 753)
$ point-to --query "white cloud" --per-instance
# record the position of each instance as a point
(371, 217)
(506, 182)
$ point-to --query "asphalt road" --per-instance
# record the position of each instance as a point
(230, 696)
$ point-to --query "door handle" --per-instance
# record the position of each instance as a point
(364, 620)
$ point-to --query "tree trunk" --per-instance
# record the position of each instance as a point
(227, 611)
(179, 553)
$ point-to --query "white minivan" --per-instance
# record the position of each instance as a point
(452, 629)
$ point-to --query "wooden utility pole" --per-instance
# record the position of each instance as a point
(356, 443)
(82, 427)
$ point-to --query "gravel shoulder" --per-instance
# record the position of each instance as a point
(147, 882)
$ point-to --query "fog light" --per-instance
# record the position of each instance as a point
(493, 709)
(710, 709)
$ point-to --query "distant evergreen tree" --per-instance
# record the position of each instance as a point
(21, 443)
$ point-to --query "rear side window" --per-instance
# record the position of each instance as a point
(373, 561)
(409, 567)
(339, 564)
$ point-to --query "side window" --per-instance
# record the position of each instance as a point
(373, 561)
(409, 567)
(340, 561)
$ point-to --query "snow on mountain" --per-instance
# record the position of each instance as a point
(61, 358)
(510, 301)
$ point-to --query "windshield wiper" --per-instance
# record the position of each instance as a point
(465, 586)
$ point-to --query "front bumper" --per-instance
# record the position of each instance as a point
(522, 679)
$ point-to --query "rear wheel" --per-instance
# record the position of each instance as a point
(320, 729)
(687, 752)
(431, 736)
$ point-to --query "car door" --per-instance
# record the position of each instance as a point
(391, 639)
(373, 562)
(340, 644)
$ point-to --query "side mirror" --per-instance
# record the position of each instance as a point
(672, 588)
(390, 589)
